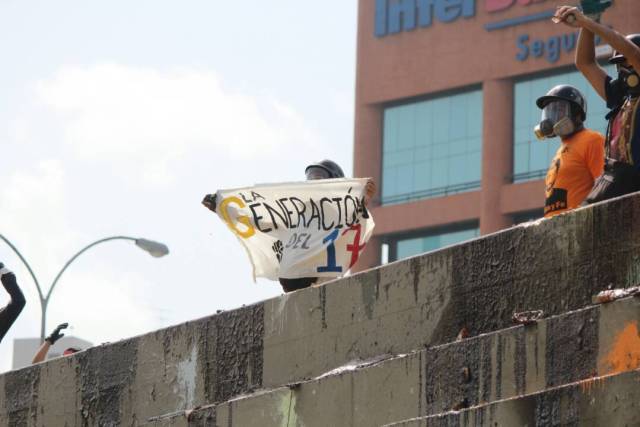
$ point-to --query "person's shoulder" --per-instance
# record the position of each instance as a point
(591, 136)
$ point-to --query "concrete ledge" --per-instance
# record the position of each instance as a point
(513, 362)
(556, 265)
(604, 401)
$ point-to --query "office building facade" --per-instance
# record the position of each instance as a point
(445, 111)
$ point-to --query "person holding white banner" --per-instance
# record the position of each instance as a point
(300, 233)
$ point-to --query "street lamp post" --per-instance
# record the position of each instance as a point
(155, 249)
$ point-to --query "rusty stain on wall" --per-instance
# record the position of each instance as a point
(625, 352)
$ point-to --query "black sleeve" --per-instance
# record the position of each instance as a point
(10, 313)
(614, 91)
(290, 285)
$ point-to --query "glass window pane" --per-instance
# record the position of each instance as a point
(539, 155)
(457, 147)
(439, 172)
(406, 130)
(422, 177)
(389, 180)
(429, 242)
(405, 179)
(521, 157)
(474, 143)
(389, 132)
(409, 247)
(432, 147)
(473, 167)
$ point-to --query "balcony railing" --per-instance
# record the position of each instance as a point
(529, 176)
(431, 193)
(457, 188)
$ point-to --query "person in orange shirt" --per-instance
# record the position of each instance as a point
(580, 158)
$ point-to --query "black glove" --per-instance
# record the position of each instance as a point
(210, 201)
(9, 281)
(4, 271)
(56, 335)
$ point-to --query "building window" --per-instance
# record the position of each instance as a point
(420, 243)
(531, 157)
(432, 148)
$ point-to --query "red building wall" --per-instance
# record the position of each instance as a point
(446, 56)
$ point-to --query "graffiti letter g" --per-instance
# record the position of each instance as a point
(243, 219)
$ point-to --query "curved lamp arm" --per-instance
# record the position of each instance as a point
(26, 264)
(153, 248)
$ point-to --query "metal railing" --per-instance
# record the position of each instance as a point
(431, 193)
(529, 176)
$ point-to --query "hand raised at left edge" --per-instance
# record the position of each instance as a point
(56, 335)
(369, 191)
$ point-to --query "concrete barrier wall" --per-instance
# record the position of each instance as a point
(606, 401)
(599, 340)
(556, 265)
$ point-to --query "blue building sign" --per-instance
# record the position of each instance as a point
(550, 49)
(394, 16)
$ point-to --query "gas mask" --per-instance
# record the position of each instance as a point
(630, 79)
(556, 121)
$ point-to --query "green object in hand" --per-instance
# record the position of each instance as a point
(595, 7)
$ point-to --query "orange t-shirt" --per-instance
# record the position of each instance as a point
(576, 165)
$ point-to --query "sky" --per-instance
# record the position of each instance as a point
(117, 117)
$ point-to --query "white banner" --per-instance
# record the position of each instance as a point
(306, 229)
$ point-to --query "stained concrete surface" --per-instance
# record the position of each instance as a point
(555, 265)
(604, 401)
(456, 375)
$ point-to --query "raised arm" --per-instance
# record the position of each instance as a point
(48, 342)
(10, 313)
(42, 353)
(587, 64)
(617, 41)
(586, 52)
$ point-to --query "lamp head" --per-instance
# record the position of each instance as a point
(155, 249)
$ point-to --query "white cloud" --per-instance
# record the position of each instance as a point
(112, 149)
(103, 304)
(142, 120)
(32, 202)
(19, 132)
(342, 102)
(34, 216)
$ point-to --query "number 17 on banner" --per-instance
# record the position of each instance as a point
(355, 248)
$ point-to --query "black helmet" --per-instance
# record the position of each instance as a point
(565, 93)
(329, 166)
(618, 58)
